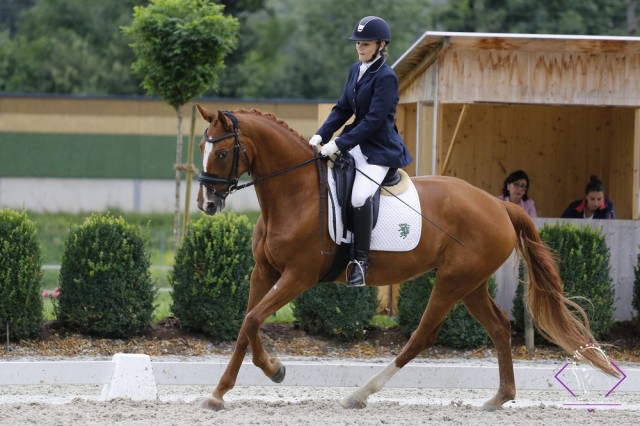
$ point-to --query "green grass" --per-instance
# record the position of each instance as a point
(283, 315)
(162, 305)
(163, 310)
(384, 321)
(47, 311)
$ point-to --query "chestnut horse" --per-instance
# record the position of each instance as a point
(475, 233)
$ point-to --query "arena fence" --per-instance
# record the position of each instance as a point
(136, 377)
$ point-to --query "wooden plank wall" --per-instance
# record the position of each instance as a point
(558, 146)
(427, 123)
(406, 121)
(131, 116)
(539, 77)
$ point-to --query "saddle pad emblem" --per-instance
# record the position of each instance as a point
(404, 230)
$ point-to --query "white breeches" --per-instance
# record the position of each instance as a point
(365, 186)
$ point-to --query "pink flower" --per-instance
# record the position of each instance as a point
(56, 294)
(45, 294)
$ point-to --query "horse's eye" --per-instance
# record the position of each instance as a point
(221, 155)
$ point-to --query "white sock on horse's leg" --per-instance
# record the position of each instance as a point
(358, 398)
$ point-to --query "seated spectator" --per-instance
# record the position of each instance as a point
(593, 206)
(515, 189)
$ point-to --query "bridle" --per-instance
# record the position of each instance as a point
(231, 182)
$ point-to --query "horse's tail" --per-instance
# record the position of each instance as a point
(558, 319)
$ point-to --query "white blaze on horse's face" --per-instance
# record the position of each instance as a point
(208, 148)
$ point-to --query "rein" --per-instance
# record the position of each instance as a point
(274, 174)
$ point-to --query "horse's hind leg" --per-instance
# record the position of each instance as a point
(423, 337)
(497, 325)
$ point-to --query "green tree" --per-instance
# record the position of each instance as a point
(590, 17)
(71, 46)
(10, 11)
(180, 47)
(301, 49)
(5, 53)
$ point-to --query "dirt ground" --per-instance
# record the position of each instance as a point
(294, 405)
(167, 338)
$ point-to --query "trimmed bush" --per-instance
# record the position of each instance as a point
(336, 311)
(105, 284)
(211, 276)
(584, 262)
(20, 276)
(459, 330)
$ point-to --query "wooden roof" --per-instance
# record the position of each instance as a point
(522, 68)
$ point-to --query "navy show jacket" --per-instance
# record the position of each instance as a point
(576, 210)
(373, 101)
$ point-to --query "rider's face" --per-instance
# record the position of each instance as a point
(366, 49)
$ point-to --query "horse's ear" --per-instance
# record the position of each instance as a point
(205, 113)
(226, 122)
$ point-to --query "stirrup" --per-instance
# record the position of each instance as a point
(362, 272)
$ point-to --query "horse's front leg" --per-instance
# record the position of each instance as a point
(262, 279)
(289, 286)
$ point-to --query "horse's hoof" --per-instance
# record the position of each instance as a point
(487, 406)
(212, 403)
(279, 376)
(351, 403)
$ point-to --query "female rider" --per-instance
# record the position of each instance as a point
(371, 94)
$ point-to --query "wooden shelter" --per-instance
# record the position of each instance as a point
(479, 106)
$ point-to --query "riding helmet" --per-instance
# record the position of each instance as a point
(371, 28)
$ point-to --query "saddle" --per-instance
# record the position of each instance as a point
(344, 172)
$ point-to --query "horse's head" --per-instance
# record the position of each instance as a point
(224, 160)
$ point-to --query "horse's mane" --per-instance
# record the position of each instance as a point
(273, 118)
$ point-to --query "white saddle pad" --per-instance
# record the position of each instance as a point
(399, 222)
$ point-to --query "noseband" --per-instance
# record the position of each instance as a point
(231, 181)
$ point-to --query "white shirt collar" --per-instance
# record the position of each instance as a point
(364, 66)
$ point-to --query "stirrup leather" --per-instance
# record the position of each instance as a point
(358, 264)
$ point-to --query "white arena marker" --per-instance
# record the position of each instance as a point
(132, 378)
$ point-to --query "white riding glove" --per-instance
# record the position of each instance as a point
(329, 149)
(315, 140)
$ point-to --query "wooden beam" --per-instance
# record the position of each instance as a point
(425, 63)
(635, 208)
(445, 164)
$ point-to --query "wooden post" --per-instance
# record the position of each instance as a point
(190, 168)
(445, 164)
(528, 321)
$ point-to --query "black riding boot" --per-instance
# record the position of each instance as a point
(362, 223)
